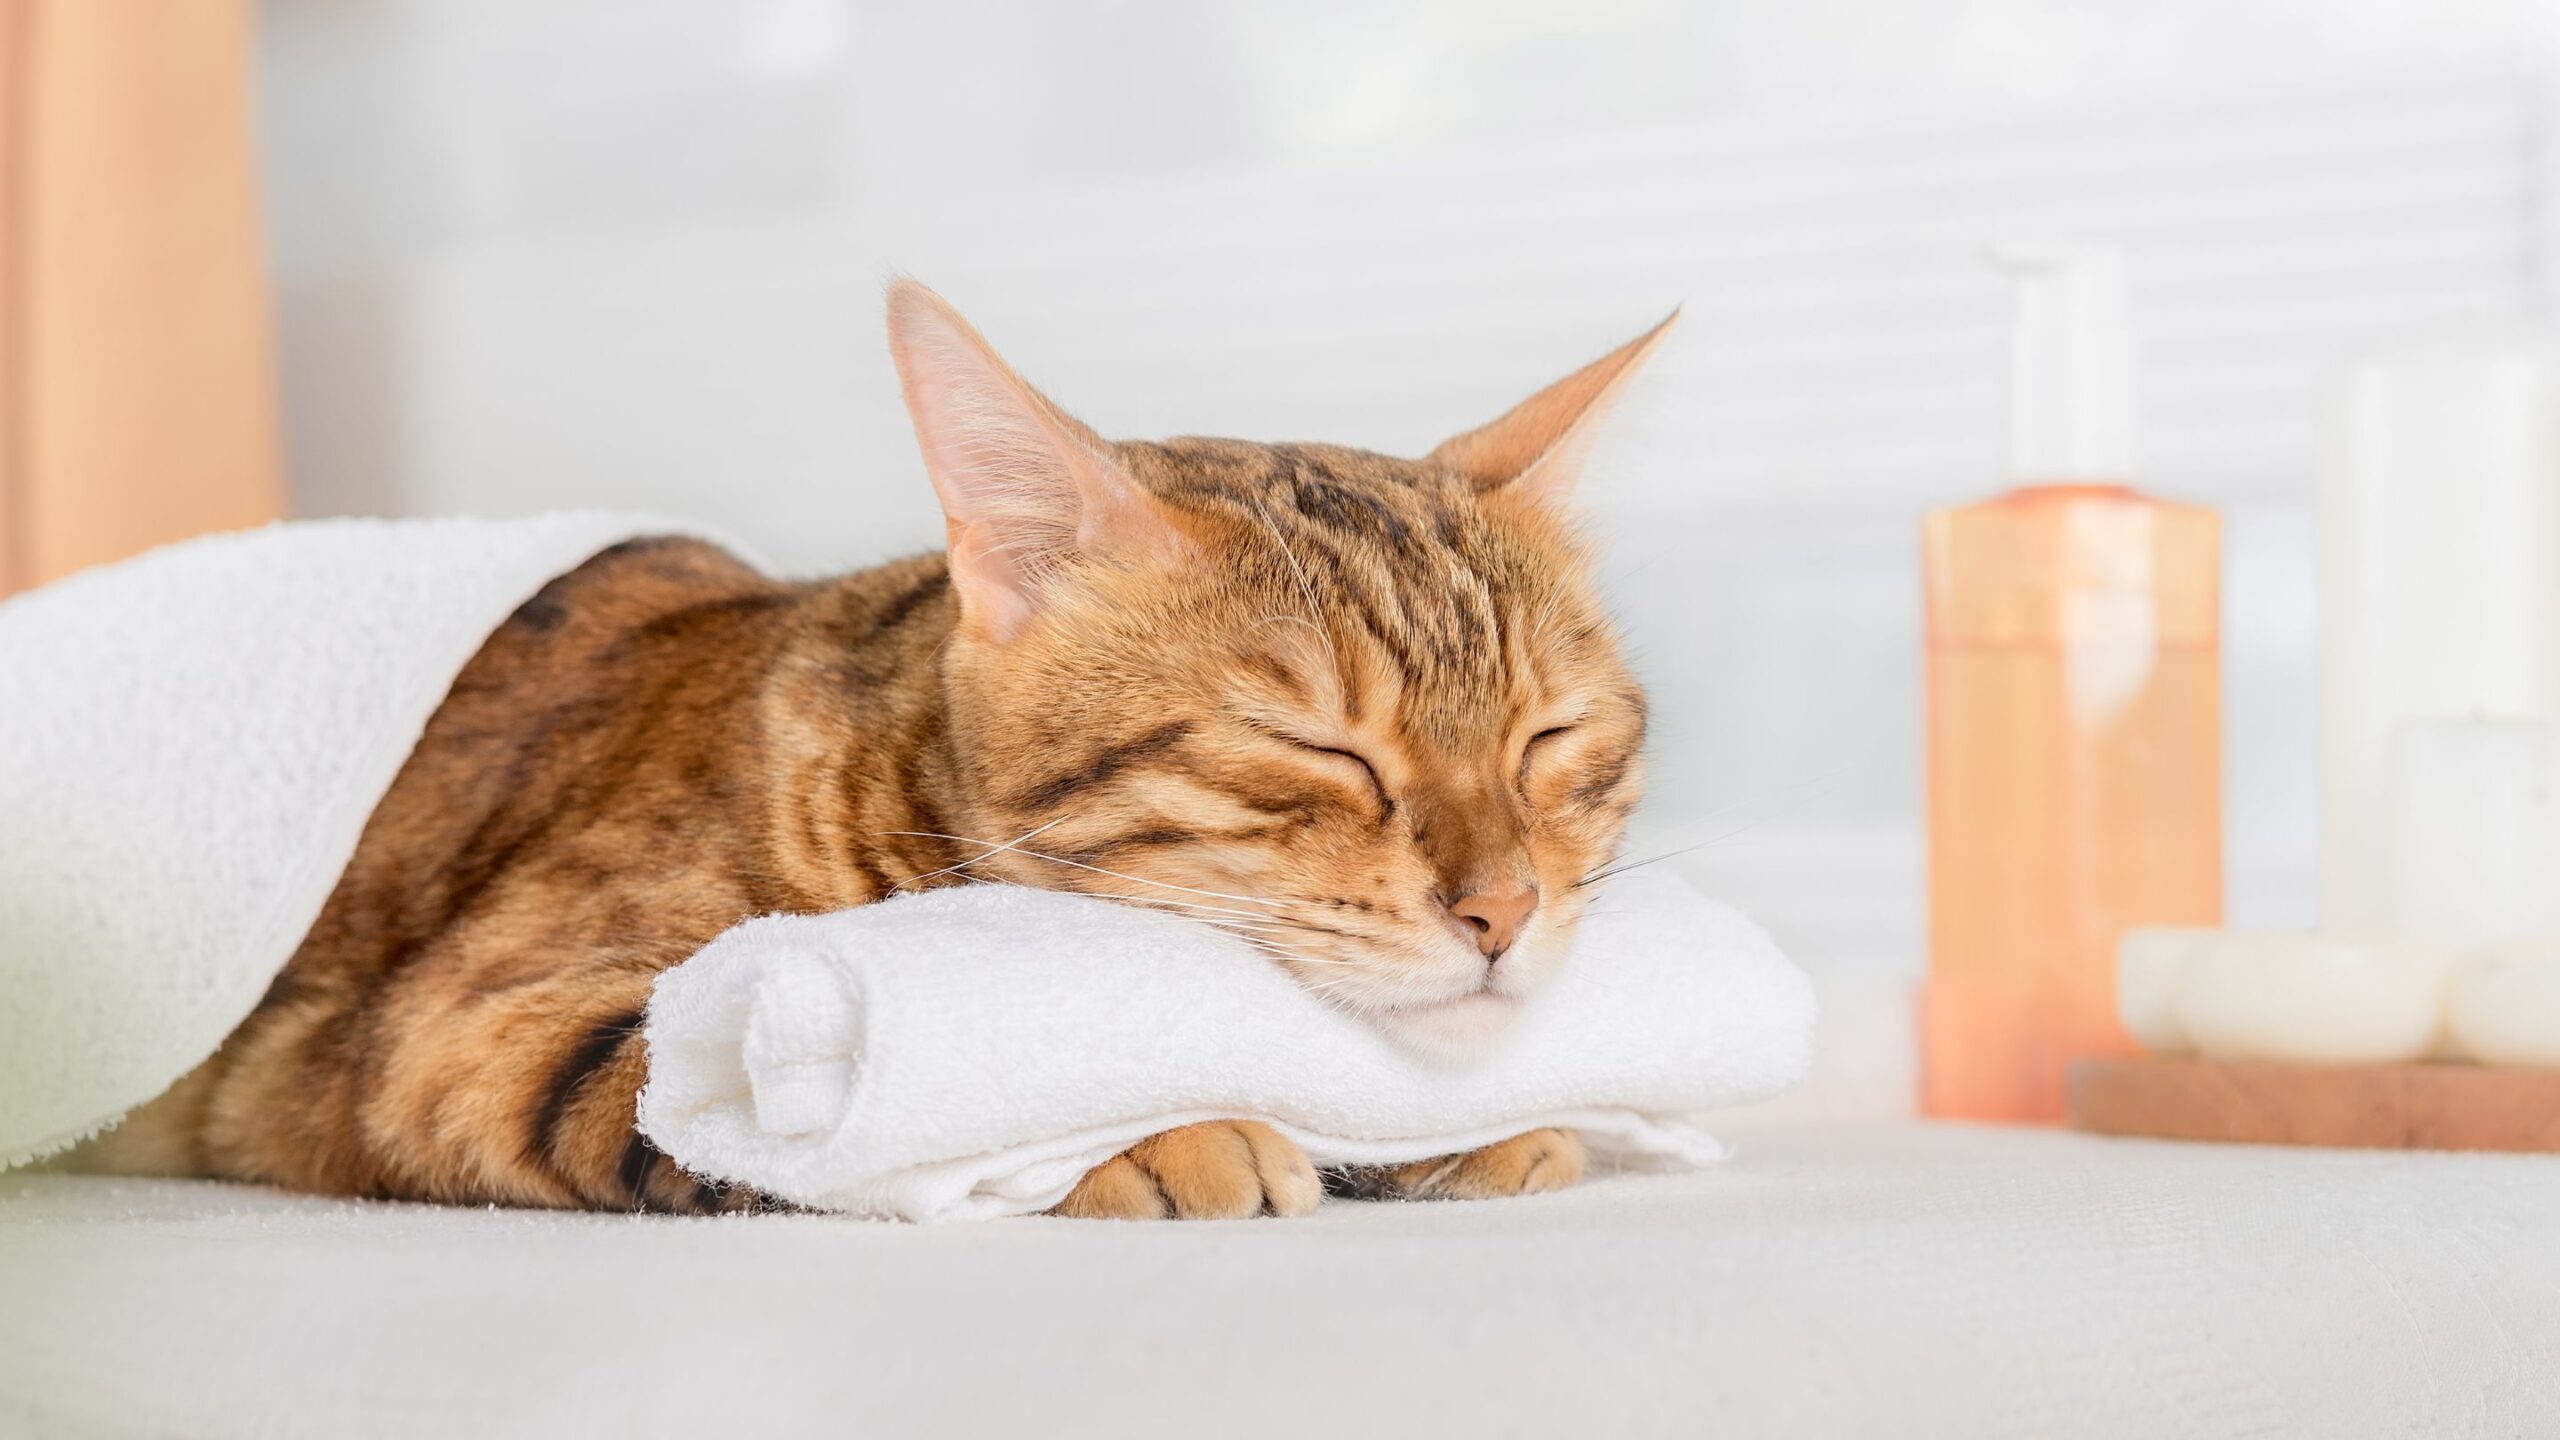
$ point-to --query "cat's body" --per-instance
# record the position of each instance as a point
(1367, 704)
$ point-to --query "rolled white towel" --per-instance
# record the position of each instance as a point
(971, 1052)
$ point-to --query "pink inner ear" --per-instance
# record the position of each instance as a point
(993, 590)
(1025, 488)
(1541, 443)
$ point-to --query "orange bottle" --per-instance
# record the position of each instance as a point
(2074, 719)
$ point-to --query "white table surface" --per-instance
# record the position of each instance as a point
(1885, 1279)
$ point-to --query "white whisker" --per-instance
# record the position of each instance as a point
(974, 859)
(1315, 612)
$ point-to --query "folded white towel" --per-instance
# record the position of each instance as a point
(970, 1052)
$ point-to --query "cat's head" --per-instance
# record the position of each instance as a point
(1366, 712)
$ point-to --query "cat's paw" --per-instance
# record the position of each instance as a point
(1528, 1164)
(1216, 1170)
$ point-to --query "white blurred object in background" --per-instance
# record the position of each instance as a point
(2313, 999)
(2072, 366)
(2471, 838)
(2440, 596)
(2505, 1005)
(2151, 971)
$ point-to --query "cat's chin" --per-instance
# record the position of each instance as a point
(1451, 1031)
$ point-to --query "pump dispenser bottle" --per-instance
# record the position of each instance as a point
(2074, 715)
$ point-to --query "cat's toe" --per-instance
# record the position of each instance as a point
(1229, 1170)
(1290, 1185)
(1116, 1189)
(1528, 1164)
(1217, 1170)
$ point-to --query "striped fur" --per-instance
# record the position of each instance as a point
(1349, 688)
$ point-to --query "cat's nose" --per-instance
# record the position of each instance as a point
(1494, 917)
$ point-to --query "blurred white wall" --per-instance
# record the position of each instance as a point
(539, 253)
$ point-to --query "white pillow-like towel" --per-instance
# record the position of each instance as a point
(971, 1052)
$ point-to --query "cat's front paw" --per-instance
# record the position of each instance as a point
(1216, 1170)
(1522, 1165)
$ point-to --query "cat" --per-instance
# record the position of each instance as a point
(1366, 712)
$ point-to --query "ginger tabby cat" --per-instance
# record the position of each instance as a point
(1374, 702)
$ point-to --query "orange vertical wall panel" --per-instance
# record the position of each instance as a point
(137, 394)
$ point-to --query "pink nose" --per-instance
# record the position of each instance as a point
(1494, 917)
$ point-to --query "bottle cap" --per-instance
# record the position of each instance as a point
(2071, 363)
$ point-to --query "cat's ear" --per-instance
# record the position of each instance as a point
(1025, 487)
(1538, 447)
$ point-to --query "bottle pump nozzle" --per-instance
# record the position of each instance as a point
(2071, 364)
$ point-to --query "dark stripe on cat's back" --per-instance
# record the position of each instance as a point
(899, 610)
(543, 613)
(1104, 766)
(706, 613)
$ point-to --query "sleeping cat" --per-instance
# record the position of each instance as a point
(1365, 712)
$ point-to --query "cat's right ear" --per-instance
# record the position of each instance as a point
(1026, 489)
(1538, 447)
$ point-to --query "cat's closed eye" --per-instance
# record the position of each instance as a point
(1376, 783)
(1541, 742)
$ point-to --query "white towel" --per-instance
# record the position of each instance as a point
(190, 744)
(970, 1052)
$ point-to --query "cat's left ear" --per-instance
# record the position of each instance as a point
(1538, 447)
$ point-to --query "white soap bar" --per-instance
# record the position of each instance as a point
(2315, 999)
(2505, 1006)
(2151, 968)
(2473, 849)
